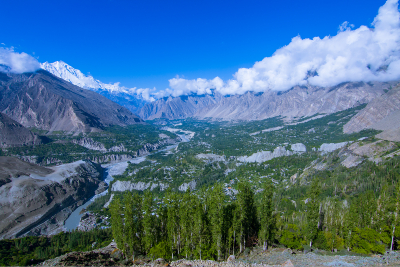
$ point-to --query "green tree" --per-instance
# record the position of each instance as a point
(173, 223)
(395, 213)
(149, 222)
(366, 241)
(187, 214)
(216, 211)
(291, 237)
(117, 224)
(267, 219)
(247, 223)
(133, 223)
(313, 216)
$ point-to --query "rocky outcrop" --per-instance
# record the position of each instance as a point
(89, 143)
(14, 134)
(383, 113)
(299, 147)
(210, 157)
(44, 101)
(99, 257)
(324, 148)
(266, 155)
(147, 148)
(185, 186)
(121, 186)
(35, 200)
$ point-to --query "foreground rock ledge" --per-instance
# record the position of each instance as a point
(112, 256)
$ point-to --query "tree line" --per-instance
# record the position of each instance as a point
(201, 225)
(208, 225)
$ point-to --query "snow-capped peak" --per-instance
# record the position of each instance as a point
(76, 77)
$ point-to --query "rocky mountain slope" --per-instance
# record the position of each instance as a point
(14, 134)
(36, 200)
(382, 113)
(178, 107)
(298, 102)
(123, 96)
(44, 101)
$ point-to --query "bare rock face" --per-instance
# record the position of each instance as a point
(44, 101)
(297, 102)
(121, 186)
(177, 107)
(185, 186)
(383, 113)
(93, 145)
(35, 200)
(263, 156)
(14, 134)
(331, 147)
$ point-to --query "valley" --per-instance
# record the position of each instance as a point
(227, 155)
(300, 177)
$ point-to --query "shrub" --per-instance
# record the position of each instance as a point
(291, 237)
(366, 241)
(161, 250)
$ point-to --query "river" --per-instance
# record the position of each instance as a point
(116, 169)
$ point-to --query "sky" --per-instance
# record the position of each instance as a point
(192, 46)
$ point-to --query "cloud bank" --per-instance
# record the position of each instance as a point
(15, 62)
(362, 54)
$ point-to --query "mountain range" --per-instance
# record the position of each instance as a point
(43, 101)
(124, 96)
(13, 133)
(299, 101)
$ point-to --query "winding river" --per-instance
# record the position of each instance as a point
(116, 169)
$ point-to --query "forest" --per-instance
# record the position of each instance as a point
(305, 201)
(209, 224)
(32, 250)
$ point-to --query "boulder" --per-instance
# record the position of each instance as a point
(231, 258)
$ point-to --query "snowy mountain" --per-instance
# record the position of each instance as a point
(131, 98)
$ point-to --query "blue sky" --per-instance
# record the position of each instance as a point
(146, 43)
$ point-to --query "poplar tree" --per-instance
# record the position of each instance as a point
(117, 224)
(216, 203)
(173, 227)
(396, 213)
(267, 219)
(133, 222)
(313, 223)
(187, 214)
(149, 222)
(246, 214)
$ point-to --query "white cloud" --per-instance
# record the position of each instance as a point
(15, 62)
(200, 86)
(146, 93)
(351, 55)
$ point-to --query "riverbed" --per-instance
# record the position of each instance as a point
(117, 169)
